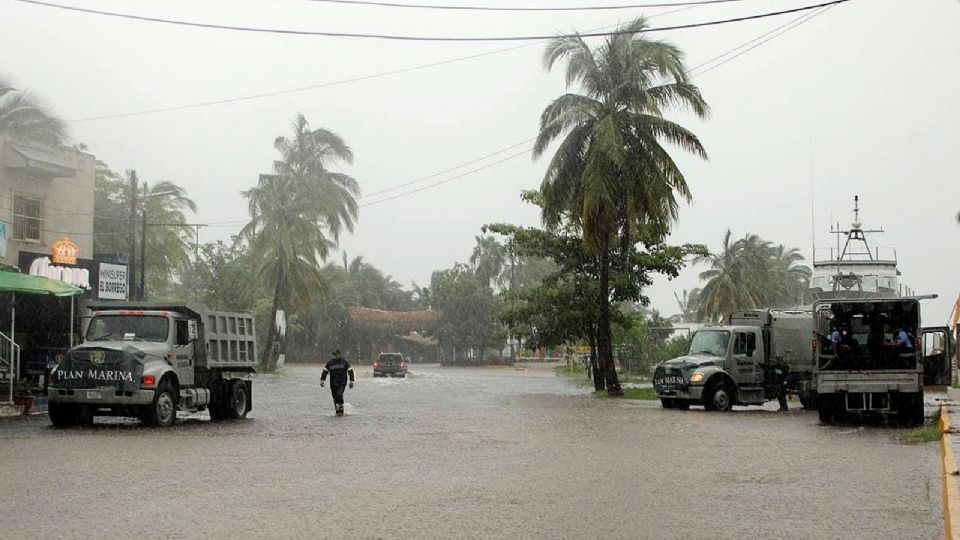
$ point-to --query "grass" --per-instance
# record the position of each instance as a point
(923, 434)
(570, 371)
(646, 394)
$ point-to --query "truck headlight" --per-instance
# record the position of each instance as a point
(696, 377)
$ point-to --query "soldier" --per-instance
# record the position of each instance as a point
(339, 370)
(780, 371)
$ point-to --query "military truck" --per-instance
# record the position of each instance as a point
(735, 364)
(865, 372)
(150, 360)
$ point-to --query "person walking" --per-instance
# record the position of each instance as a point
(340, 371)
(781, 370)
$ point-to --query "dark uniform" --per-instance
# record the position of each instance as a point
(780, 372)
(340, 371)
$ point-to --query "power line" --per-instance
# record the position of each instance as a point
(370, 3)
(750, 45)
(397, 37)
(331, 83)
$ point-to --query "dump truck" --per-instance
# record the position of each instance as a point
(736, 364)
(862, 369)
(151, 360)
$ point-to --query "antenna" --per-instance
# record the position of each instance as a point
(856, 209)
(813, 227)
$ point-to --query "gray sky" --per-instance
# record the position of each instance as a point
(863, 96)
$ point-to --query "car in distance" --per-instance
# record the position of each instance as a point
(390, 364)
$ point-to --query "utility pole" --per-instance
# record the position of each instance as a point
(143, 244)
(131, 285)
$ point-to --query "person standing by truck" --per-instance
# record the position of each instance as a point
(340, 370)
(780, 371)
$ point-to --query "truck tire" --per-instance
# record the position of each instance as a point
(236, 406)
(910, 410)
(219, 390)
(162, 412)
(719, 398)
(668, 403)
(63, 414)
(809, 401)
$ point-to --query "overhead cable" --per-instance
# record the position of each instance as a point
(397, 37)
(372, 3)
(317, 86)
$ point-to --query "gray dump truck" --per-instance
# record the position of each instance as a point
(150, 360)
(863, 371)
(734, 364)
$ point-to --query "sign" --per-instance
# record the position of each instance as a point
(3, 241)
(78, 277)
(64, 251)
(113, 282)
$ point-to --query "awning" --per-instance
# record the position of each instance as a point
(43, 162)
(16, 282)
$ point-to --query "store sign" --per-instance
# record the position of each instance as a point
(64, 251)
(78, 277)
(113, 282)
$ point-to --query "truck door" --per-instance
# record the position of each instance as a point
(935, 349)
(746, 358)
(184, 352)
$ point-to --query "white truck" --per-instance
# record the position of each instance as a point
(150, 360)
(734, 364)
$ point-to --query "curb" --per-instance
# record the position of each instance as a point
(951, 490)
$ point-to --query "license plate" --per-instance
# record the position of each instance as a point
(92, 395)
(668, 380)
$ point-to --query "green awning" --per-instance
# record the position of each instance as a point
(25, 283)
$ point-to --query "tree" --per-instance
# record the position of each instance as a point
(297, 216)
(611, 173)
(488, 259)
(467, 305)
(170, 243)
(23, 117)
(750, 273)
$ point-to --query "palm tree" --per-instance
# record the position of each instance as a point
(750, 273)
(297, 216)
(488, 259)
(611, 175)
(23, 117)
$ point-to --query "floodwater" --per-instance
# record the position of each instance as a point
(472, 453)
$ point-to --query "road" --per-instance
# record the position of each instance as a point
(473, 453)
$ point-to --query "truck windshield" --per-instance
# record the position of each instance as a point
(712, 342)
(128, 327)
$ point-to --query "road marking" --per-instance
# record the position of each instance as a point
(951, 493)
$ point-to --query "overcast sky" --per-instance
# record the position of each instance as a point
(863, 99)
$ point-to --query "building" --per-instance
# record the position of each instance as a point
(46, 194)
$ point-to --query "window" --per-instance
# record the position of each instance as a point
(746, 343)
(27, 218)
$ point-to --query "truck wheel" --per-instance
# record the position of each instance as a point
(808, 401)
(63, 414)
(163, 411)
(237, 402)
(719, 399)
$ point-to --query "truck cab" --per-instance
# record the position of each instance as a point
(737, 364)
(149, 361)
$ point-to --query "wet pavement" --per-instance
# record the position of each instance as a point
(475, 453)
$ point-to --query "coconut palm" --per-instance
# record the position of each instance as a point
(750, 273)
(297, 216)
(23, 117)
(611, 174)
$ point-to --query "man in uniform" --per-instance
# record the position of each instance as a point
(339, 370)
(780, 371)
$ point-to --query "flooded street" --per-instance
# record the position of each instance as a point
(466, 453)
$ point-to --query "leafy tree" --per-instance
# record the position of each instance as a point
(488, 259)
(170, 243)
(221, 267)
(611, 174)
(297, 216)
(468, 305)
(23, 117)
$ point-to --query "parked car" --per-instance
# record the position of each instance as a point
(391, 364)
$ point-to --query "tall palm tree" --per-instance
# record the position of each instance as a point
(297, 216)
(612, 175)
(23, 117)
